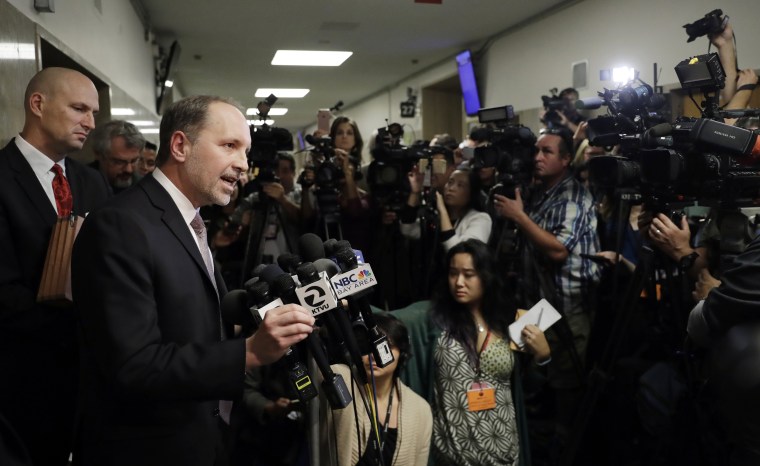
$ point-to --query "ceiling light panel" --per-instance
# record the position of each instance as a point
(309, 58)
(263, 93)
(272, 112)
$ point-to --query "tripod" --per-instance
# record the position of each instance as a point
(601, 373)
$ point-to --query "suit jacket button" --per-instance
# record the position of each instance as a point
(215, 413)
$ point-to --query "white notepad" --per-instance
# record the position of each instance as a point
(542, 315)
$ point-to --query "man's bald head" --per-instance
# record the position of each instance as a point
(60, 106)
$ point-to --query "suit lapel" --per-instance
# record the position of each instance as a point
(174, 221)
(29, 184)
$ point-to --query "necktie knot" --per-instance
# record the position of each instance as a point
(198, 226)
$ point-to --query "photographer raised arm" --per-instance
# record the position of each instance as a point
(724, 42)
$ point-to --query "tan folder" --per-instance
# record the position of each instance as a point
(55, 286)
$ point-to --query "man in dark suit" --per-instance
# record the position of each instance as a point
(38, 354)
(156, 357)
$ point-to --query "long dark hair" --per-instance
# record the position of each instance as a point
(358, 141)
(498, 306)
(476, 197)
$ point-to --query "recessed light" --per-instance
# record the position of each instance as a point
(149, 130)
(260, 122)
(263, 93)
(309, 58)
(122, 111)
(168, 83)
(272, 112)
(143, 122)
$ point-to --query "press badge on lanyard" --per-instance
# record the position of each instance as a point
(481, 395)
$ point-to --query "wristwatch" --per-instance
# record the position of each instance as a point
(687, 261)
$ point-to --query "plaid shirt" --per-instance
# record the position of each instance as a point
(567, 211)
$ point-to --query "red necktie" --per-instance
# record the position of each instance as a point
(63, 200)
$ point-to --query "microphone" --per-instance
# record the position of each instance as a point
(237, 310)
(333, 384)
(311, 247)
(339, 318)
(329, 248)
(591, 103)
(354, 284)
(289, 262)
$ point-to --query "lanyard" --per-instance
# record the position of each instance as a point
(482, 349)
(387, 420)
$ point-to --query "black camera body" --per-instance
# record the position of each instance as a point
(553, 103)
(510, 149)
(712, 23)
(392, 161)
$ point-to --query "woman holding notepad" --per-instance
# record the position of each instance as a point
(473, 411)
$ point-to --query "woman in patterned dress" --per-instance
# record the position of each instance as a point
(473, 414)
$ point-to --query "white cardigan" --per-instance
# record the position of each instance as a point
(474, 224)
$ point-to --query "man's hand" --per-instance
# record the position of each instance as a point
(705, 283)
(669, 238)
(509, 208)
(282, 327)
(274, 190)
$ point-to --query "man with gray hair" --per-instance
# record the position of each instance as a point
(117, 146)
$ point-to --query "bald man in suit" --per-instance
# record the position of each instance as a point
(157, 357)
(38, 353)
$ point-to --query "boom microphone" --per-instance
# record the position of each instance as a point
(591, 103)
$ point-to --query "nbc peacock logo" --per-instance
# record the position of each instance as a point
(364, 274)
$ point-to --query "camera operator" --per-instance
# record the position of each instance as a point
(560, 110)
(559, 228)
(229, 231)
(724, 42)
(353, 202)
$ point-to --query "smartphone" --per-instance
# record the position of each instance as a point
(323, 120)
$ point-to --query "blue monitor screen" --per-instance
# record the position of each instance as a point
(469, 86)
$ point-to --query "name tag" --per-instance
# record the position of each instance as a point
(481, 396)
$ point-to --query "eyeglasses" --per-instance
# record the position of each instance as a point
(122, 163)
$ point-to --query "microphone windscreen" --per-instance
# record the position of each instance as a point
(663, 129)
(288, 262)
(326, 265)
(270, 273)
(283, 285)
(340, 246)
(590, 103)
(235, 308)
(307, 273)
(257, 270)
(259, 292)
(329, 246)
(311, 247)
